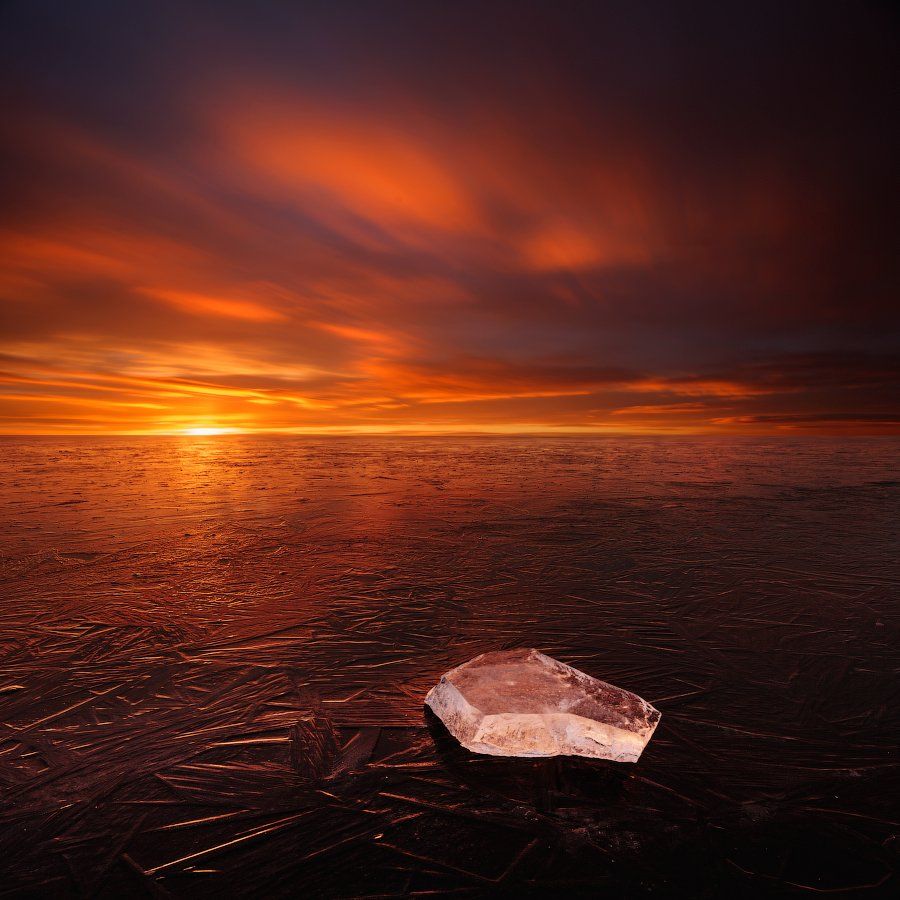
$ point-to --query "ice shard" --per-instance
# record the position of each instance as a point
(523, 703)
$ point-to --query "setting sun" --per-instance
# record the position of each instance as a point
(207, 431)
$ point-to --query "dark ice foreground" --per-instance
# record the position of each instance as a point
(213, 656)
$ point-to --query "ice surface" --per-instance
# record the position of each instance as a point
(523, 703)
(213, 654)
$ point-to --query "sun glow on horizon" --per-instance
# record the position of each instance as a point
(207, 431)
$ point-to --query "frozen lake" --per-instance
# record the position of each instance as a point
(214, 652)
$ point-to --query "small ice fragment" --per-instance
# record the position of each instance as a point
(523, 703)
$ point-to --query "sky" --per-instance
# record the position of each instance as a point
(435, 216)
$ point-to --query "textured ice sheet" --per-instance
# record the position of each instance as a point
(213, 655)
(523, 703)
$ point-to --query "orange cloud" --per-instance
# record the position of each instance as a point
(383, 341)
(559, 245)
(660, 409)
(67, 249)
(202, 305)
(381, 174)
(693, 386)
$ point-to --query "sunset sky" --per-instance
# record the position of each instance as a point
(367, 216)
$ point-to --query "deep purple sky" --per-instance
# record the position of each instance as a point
(439, 216)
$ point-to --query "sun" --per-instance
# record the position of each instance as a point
(206, 431)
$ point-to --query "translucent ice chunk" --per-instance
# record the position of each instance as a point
(523, 703)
